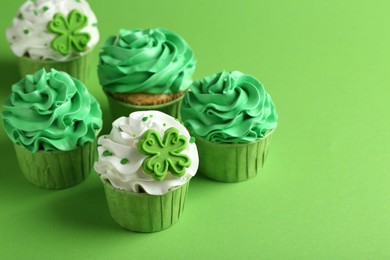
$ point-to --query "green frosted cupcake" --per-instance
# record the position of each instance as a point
(145, 70)
(56, 34)
(53, 122)
(232, 117)
(146, 164)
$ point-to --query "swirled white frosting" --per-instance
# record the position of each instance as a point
(28, 35)
(121, 144)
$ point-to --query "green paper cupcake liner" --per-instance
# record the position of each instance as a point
(232, 162)
(77, 68)
(141, 212)
(56, 169)
(119, 108)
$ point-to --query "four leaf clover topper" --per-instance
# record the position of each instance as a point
(68, 30)
(164, 155)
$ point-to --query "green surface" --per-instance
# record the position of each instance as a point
(324, 192)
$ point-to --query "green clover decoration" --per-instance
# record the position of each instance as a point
(164, 155)
(68, 30)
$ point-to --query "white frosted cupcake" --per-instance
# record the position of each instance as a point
(146, 163)
(54, 34)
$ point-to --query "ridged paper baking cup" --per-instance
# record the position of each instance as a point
(141, 212)
(56, 169)
(77, 67)
(119, 108)
(232, 162)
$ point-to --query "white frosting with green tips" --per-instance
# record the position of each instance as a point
(120, 160)
(29, 35)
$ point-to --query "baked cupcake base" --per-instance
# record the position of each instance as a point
(119, 108)
(232, 162)
(56, 169)
(146, 99)
(77, 67)
(141, 212)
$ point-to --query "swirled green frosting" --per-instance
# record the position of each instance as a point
(51, 111)
(154, 61)
(228, 108)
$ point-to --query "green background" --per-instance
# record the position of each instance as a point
(325, 189)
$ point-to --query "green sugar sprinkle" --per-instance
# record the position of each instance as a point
(94, 24)
(78, 1)
(164, 124)
(134, 135)
(26, 31)
(20, 16)
(36, 12)
(150, 116)
(144, 118)
(192, 140)
(45, 8)
(107, 153)
(124, 161)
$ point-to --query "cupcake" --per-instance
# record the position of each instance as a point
(232, 118)
(54, 34)
(146, 163)
(53, 122)
(145, 70)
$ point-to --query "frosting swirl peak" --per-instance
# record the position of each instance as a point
(229, 108)
(51, 111)
(154, 61)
